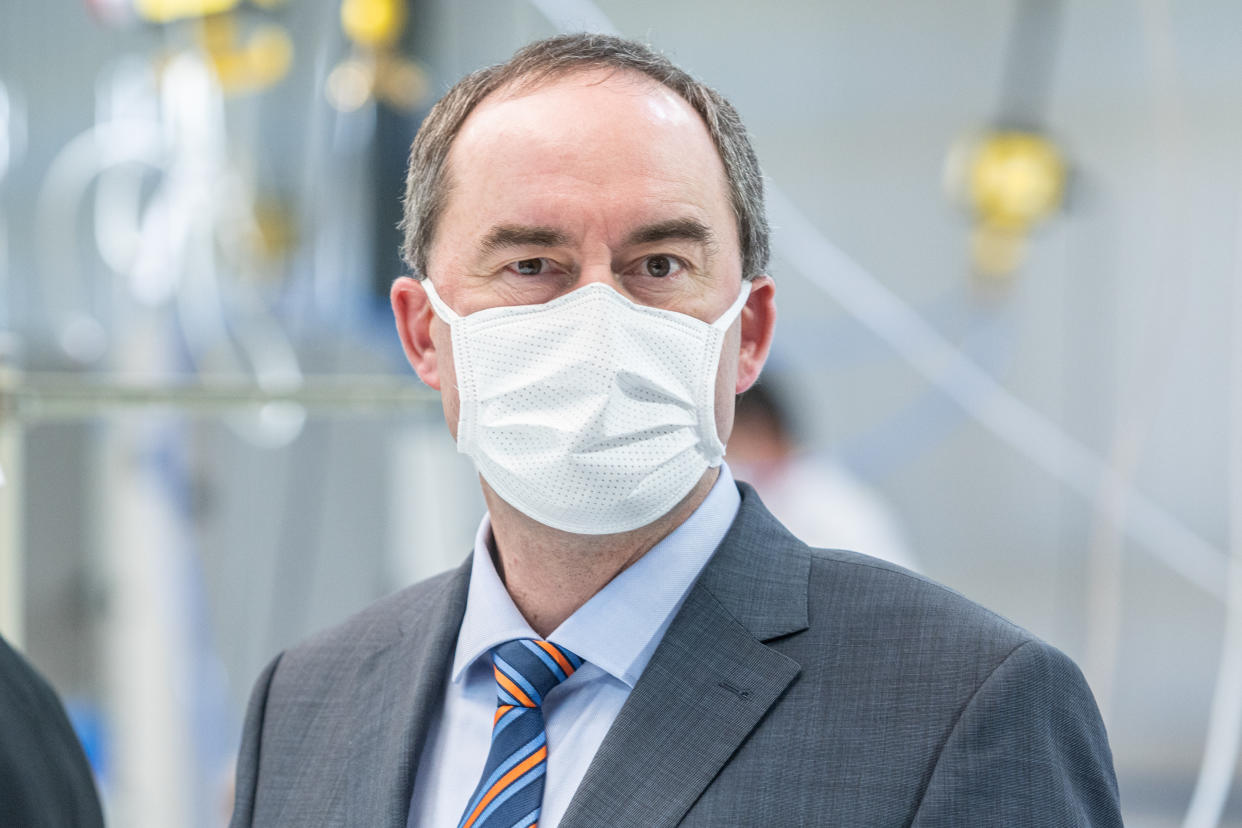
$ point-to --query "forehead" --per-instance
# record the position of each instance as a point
(626, 138)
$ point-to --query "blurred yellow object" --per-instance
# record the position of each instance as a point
(1016, 179)
(996, 251)
(375, 71)
(166, 11)
(398, 82)
(262, 60)
(349, 84)
(401, 83)
(275, 231)
(1010, 179)
(373, 23)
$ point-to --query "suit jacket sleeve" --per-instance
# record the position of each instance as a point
(1028, 749)
(247, 780)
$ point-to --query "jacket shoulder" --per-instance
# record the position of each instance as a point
(868, 593)
(381, 622)
(884, 621)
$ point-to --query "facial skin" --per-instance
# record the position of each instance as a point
(600, 176)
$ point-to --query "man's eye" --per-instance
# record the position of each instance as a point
(529, 267)
(661, 266)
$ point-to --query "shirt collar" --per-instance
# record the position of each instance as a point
(619, 628)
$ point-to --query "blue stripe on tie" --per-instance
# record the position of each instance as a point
(528, 819)
(547, 660)
(511, 716)
(517, 678)
(518, 755)
(531, 775)
(507, 698)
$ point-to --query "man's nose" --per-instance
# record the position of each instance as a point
(600, 270)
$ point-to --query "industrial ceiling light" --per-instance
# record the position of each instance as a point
(1012, 175)
(1010, 180)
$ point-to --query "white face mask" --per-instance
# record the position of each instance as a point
(588, 413)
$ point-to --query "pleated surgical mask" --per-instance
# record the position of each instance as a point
(589, 413)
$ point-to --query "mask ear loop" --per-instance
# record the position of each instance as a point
(707, 418)
(442, 310)
(465, 405)
(735, 310)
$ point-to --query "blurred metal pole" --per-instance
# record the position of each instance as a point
(41, 397)
(1223, 742)
(27, 398)
(1030, 64)
(12, 569)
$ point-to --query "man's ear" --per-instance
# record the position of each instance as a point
(413, 314)
(758, 320)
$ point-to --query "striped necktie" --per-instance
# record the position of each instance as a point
(510, 792)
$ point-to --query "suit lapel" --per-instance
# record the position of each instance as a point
(400, 692)
(709, 683)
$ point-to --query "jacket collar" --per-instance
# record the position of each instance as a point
(400, 691)
(710, 682)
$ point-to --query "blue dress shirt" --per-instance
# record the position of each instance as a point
(616, 632)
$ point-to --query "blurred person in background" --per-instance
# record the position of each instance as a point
(817, 498)
(45, 779)
(635, 640)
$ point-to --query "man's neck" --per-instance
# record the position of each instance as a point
(550, 574)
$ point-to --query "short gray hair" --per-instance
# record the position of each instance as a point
(426, 185)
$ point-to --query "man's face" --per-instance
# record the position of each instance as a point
(596, 177)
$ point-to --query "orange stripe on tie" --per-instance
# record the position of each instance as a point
(504, 782)
(515, 691)
(552, 650)
(500, 711)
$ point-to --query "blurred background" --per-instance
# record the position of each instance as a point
(1007, 244)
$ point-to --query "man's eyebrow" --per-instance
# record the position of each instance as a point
(680, 229)
(505, 236)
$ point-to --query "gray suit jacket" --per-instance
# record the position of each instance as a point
(794, 687)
